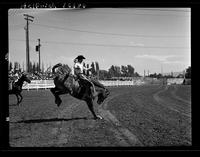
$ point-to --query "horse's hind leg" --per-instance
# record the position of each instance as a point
(90, 106)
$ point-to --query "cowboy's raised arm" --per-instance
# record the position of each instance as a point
(87, 68)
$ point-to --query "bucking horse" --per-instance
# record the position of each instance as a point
(17, 87)
(64, 80)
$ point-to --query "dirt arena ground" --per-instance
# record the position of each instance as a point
(137, 116)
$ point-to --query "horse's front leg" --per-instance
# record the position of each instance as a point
(56, 92)
(57, 98)
(17, 99)
(21, 98)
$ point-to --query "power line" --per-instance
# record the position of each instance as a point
(106, 45)
(16, 25)
(114, 34)
(110, 45)
(148, 14)
(160, 9)
(16, 28)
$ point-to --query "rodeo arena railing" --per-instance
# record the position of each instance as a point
(39, 84)
(46, 84)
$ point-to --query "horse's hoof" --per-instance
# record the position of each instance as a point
(58, 102)
(98, 117)
(99, 102)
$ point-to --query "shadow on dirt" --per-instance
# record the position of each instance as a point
(51, 120)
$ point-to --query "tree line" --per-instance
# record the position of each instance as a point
(186, 75)
(113, 72)
(188, 72)
(34, 67)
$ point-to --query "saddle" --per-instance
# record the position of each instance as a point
(82, 85)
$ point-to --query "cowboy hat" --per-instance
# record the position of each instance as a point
(80, 57)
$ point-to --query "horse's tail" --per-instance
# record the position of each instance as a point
(56, 66)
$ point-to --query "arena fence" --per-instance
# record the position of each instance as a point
(175, 81)
(46, 84)
(122, 83)
(39, 84)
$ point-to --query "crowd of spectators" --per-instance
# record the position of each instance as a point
(49, 76)
(41, 76)
(34, 76)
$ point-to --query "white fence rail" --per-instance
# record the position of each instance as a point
(175, 81)
(39, 84)
(122, 83)
(46, 84)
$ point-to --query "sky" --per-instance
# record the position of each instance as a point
(151, 39)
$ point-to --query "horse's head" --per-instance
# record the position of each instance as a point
(26, 78)
(61, 72)
(61, 68)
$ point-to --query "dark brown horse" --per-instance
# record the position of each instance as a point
(66, 83)
(17, 87)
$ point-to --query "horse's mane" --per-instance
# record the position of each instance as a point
(61, 70)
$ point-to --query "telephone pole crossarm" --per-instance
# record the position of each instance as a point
(28, 16)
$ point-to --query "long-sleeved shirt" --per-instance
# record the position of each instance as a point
(79, 68)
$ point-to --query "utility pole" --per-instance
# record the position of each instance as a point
(162, 74)
(27, 18)
(38, 49)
